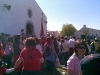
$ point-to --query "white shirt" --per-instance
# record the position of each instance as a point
(89, 48)
(71, 42)
(39, 48)
(66, 42)
(7, 50)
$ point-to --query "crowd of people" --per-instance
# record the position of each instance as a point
(26, 54)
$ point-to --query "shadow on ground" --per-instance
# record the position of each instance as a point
(57, 71)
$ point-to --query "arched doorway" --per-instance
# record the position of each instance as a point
(29, 29)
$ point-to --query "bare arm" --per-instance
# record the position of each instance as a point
(70, 72)
(41, 60)
(21, 46)
(54, 51)
(18, 62)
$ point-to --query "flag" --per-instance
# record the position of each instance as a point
(41, 28)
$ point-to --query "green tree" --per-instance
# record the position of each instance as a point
(68, 30)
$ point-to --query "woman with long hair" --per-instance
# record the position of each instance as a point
(9, 53)
(17, 47)
(50, 55)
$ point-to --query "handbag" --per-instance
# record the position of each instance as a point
(57, 63)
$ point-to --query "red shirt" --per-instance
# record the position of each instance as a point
(2, 70)
(20, 66)
(43, 40)
(31, 59)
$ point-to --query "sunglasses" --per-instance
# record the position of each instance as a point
(81, 47)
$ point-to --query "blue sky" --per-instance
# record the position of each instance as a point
(76, 12)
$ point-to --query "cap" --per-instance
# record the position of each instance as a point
(91, 64)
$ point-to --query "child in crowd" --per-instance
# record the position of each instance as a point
(3, 69)
(2, 64)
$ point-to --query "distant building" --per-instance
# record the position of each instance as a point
(92, 33)
(54, 33)
(21, 14)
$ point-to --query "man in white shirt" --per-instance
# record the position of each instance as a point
(66, 43)
(71, 44)
(65, 50)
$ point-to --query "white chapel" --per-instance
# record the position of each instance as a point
(21, 14)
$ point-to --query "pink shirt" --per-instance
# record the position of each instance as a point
(74, 64)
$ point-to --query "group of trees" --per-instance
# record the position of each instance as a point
(69, 30)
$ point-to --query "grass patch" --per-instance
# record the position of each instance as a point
(57, 71)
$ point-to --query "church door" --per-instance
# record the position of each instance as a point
(29, 29)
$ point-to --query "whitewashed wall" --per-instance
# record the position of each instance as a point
(12, 21)
(78, 34)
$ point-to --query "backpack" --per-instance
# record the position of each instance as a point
(55, 45)
(47, 51)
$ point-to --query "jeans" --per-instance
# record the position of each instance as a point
(64, 57)
(7, 59)
(50, 66)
